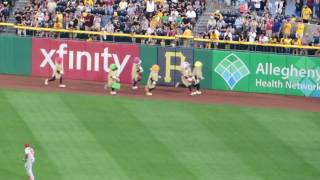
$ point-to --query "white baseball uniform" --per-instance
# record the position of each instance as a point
(29, 152)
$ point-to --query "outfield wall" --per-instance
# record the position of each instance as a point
(15, 55)
(223, 70)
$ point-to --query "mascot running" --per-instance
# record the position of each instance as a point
(57, 73)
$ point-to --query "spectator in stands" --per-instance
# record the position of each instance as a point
(317, 9)
(228, 36)
(286, 29)
(298, 5)
(306, 14)
(214, 35)
(238, 24)
(299, 29)
(316, 41)
(252, 35)
(263, 38)
(212, 23)
(296, 42)
(4, 11)
(269, 26)
(191, 14)
(276, 27)
(151, 7)
(221, 24)
(187, 32)
(279, 6)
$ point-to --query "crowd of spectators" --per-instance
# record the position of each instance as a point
(148, 17)
(255, 23)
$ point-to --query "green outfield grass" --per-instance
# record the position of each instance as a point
(81, 137)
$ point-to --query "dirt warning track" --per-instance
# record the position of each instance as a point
(166, 93)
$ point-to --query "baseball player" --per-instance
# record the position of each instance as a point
(152, 79)
(57, 72)
(137, 71)
(29, 160)
(187, 77)
(197, 75)
(113, 79)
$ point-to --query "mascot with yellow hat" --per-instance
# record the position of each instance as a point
(152, 79)
(197, 75)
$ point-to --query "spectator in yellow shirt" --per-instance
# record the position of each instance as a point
(214, 35)
(296, 42)
(285, 41)
(287, 29)
(306, 14)
(159, 1)
(300, 30)
(187, 32)
(88, 3)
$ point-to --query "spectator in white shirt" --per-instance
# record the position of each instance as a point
(191, 13)
(150, 8)
(252, 36)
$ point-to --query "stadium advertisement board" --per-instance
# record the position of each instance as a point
(266, 73)
(169, 60)
(83, 60)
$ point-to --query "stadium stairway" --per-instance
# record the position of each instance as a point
(211, 7)
(201, 25)
(19, 4)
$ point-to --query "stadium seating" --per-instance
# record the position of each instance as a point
(157, 17)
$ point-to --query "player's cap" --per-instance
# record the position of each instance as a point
(113, 67)
(26, 145)
(185, 65)
(198, 64)
(136, 60)
(59, 60)
(155, 67)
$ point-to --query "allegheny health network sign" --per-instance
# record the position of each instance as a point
(266, 73)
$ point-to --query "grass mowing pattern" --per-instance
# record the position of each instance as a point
(79, 137)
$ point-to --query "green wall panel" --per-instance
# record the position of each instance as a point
(15, 55)
(206, 57)
(23, 60)
(148, 55)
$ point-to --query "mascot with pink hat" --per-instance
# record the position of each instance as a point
(187, 77)
(136, 73)
(57, 72)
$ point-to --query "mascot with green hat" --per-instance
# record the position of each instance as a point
(113, 79)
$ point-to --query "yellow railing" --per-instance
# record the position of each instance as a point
(101, 33)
